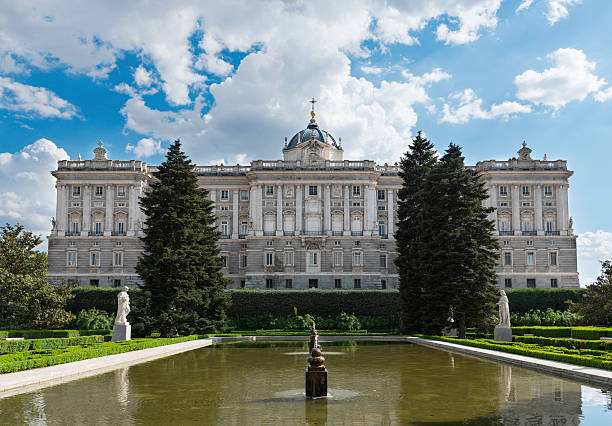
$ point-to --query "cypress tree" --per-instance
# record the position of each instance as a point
(180, 264)
(459, 249)
(414, 167)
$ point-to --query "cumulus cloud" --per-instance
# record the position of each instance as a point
(33, 101)
(368, 69)
(555, 11)
(469, 106)
(570, 78)
(593, 248)
(27, 189)
(604, 95)
(524, 5)
(143, 77)
(434, 76)
(145, 147)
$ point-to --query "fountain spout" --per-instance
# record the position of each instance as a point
(316, 373)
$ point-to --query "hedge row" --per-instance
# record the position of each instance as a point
(585, 333)
(13, 346)
(324, 303)
(585, 357)
(48, 334)
(43, 358)
(566, 343)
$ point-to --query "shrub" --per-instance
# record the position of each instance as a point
(566, 343)
(523, 300)
(347, 322)
(42, 334)
(93, 319)
(590, 333)
(596, 305)
(548, 317)
(12, 346)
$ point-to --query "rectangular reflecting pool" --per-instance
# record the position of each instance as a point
(370, 383)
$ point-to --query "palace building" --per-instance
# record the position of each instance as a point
(310, 220)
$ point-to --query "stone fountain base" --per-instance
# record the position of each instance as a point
(316, 384)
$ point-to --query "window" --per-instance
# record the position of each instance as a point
(383, 284)
(287, 243)
(244, 228)
(337, 258)
(121, 191)
(381, 194)
(554, 283)
(548, 204)
(382, 261)
(357, 283)
(507, 259)
(526, 203)
(503, 191)
(552, 258)
(95, 243)
(549, 226)
(117, 259)
(547, 190)
(336, 243)
(269, 259)
(98, 204)
(121, 204)
(224, 194)
(243, 260)
(99, 191)
(225, 208)
(224, 261)
(503, 204)
(95, 259)
(98, 228)
(506, 243)
(71, 259)
(504, 226)
(242, 283)
(288, 258)
(313, 259)
(313, 283)
(116, 283)
(72, 243)
(530, 258)
(288, 283)
(525, 191)
(269, 243)
(381, 208)
(244, 195)
(76, 191)
(224, 228)
(269, 283)
(76, 204)
(356, 190)
(531, 282)
(120, 227)
(337, 283)
(269, 190)
(508, 282)
(382, 229)
(356, 203)
(526, 225)
(94, 283)
(118, 243)
(529, 243)
(75, 227)
(357, 243)
(312, 190)
(357, 258)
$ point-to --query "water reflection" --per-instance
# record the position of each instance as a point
(389, 384)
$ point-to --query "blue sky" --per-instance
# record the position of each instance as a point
(232, 79)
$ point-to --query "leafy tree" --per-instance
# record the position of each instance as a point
(596, 306)
(180, 265)
(414, 167)
(458, 250)
(27, 299)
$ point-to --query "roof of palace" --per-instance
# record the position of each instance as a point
(312, 132)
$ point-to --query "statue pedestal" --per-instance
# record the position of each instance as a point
(316, 383)
(502, 333)
(122, 332)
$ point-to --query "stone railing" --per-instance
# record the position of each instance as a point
(515, 164)
(131, 165)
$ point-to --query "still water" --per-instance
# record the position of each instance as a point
(371, 383)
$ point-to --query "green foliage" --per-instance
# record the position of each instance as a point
(548, 317)
(45, 357)
(596, 307)
(566, 343)
(93, 319)
(523, 300)
(347, 322)
(587, 333)
(415, 166)
(585, 357)
(13, 346)
(42, 334)
(27, 299)
(591, 332)
(180, 264)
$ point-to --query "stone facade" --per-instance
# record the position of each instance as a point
(309, 220)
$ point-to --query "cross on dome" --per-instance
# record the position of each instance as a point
(312, 112)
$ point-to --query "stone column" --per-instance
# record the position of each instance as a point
(61, 210)
(492, 189)
(516, 211)
(108, 217)
(235, 213)
(390, 214)
(327, 209)
(258, 210)
(86, 210)
(132, 210)
(370, 210)
(539, 225)
(562, 207)
(279, 209)
(347, 211)
(298, 209)
(252, 209)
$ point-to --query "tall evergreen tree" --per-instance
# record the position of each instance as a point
(459, 249)
(414, 168)
(180, 265)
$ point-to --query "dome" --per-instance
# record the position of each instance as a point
(312, 131)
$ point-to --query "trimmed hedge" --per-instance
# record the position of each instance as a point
(42, 334)
(523, 300)
(585, 357)
(589, 333)
(586, 333)
(566, 343)
(46, 357)
(13, 346)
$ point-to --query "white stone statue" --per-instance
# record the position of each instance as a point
(123, 306)
(504, 310)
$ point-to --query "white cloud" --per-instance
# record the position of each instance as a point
(125, 89)
(556, 10)
(143, 77)
(524, 5)
(27, 189)
(33, 101)
(434, 76)
(593, 247)
(604, 95)
(470, 107)
(368, 69)
(145, 147)
(570, 78)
